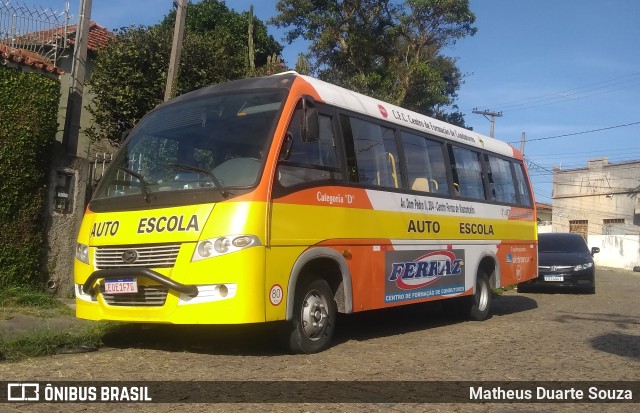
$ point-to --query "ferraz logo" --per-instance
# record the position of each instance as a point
(425, 270)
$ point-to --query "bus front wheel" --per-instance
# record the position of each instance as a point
(314, 318)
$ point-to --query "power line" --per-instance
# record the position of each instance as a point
(581, 133)
(569, 94)
(581, 154)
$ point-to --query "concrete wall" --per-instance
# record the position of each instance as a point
(616, 251)
(62, 228)
(545, 228)
(84, 145)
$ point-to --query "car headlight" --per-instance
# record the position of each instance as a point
(583, 266)
(82, 253)
(223, 245)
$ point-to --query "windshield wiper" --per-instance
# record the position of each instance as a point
(207, 172)
(144, 186)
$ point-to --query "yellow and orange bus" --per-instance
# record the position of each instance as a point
(289, 199)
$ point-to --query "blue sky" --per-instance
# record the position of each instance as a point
(552, 67)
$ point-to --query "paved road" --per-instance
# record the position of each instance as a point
(531, 337)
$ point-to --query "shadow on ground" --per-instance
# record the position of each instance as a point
(262, 339)
(620, 344)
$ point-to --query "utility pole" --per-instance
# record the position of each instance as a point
(176, 48)
(486, 113)
(522, 143)
(76, 86)
(252, 63)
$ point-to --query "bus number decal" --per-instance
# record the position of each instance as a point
(275, 295)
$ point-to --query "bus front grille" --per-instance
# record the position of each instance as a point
(147, 296)
(150, 256)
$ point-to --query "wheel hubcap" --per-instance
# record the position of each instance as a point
(314, 315)
(482, 296)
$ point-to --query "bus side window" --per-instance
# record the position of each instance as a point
(393, 158)
(425, 164)
(521, 183)
(374, 164)
(467, 173)
(301, 161)
(501, 179)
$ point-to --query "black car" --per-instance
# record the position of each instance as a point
(564, 260)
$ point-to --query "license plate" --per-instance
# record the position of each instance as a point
(553, 278)
(122, 286)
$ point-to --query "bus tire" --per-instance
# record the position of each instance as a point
(314, 318)
(480, 302)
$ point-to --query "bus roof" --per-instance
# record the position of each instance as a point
(357, 102)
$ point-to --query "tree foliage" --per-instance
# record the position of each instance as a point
(388, 49)
(130, 73)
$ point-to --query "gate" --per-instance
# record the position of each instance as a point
(96, 172)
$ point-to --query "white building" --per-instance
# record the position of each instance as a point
(601, 202)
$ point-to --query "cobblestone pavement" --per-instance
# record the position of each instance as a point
(548, 336)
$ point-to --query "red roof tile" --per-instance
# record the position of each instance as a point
(99, 35)
(28, 58)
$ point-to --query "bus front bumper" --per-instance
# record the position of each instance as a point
(119, 273)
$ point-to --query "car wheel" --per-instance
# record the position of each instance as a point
(314, 318)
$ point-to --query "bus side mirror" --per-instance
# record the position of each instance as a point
(310, 123)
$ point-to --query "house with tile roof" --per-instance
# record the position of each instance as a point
(21, 55)
(51, 52)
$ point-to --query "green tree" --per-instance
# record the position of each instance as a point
(388, 49)
(209, 16)
(130, 73)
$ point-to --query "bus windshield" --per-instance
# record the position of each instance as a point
(212, 143)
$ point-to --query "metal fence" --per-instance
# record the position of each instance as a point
(43, 31)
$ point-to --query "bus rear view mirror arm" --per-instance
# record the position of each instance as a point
(310, 123)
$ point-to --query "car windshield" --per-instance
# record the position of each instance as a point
(562, 243)
(214, 143)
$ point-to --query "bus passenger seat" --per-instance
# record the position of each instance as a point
(420, 184)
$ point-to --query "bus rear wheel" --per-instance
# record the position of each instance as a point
(480, 302)
(314, 318)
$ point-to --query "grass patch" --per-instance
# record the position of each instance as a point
(47, 343)
(28, 297)
(30, 302)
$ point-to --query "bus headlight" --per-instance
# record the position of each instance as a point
(82, 253)
(223, 245)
